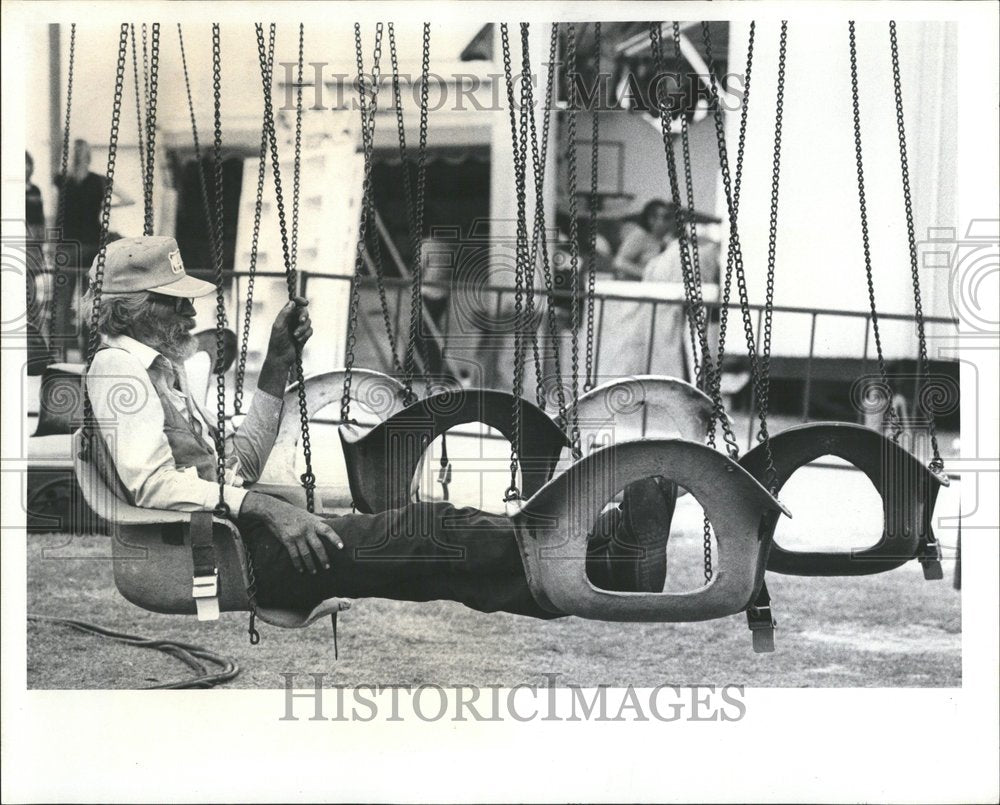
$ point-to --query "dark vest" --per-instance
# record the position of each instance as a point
(188, 446)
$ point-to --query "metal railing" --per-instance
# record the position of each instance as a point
(494, 298)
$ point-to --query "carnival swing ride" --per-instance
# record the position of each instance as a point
(564, 468)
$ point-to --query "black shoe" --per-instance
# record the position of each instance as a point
(647, 511)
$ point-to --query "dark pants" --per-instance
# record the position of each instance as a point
(423, 552)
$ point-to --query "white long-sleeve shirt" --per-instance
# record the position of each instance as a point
(128, 409)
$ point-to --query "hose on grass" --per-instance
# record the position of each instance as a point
(196, 657)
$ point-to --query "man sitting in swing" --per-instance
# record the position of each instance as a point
(164, 456)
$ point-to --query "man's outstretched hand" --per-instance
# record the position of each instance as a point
(299, 531)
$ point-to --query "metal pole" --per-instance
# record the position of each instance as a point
(807, 391)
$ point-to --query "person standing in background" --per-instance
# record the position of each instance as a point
(81, 197)
(34, 236)
(646, 241)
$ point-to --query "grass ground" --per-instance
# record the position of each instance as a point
(889, 630)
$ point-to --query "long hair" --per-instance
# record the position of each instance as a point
(647, 210)
(119, 312)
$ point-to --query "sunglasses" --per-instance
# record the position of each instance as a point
(175, 303)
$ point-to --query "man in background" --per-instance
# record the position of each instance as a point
(34, 236)
(81, 197)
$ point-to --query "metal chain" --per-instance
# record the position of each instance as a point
(64, 164)
(297, 161)
(890, 417)
(695, 304)
(241, 367)
(154, 69)
(735, 251)
(527, 108)
(63, 179)
(538, 239)
(97, 283)
(936, 464)
(145, 68)
(574, 240)
(590, 380)
(222, 509)
(202, 179)
(688, 244)
(352, 320)
(764, 381)
(689, 190)
(371, 208)
(718, 412)
(513, 491)
(526, 324)
(416, 294)
(732, 189)
(523, 291)
(138, 101)
(308, 478)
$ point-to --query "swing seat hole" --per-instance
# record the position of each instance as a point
(837, 508)
(651, 538)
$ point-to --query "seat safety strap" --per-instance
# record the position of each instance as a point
(930, 557)
(761, 622)
(205, 581)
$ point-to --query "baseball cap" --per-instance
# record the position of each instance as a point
(149, 263)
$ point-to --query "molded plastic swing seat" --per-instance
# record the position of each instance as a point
(908, 490)
(645, 406)
(382, 464)
(153, 564)
(554, 524)
(378, 397)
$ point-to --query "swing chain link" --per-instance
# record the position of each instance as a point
(297, 163)
(140, 126)
(202, 179)
(700, 368)
(590, 380)
(692, 291)
(216, 212)
(241, 366)
(97, 285)
(63, 178)
(539, 238)
(713, 379)
(517, 152)
(367, 119)
(417, 228)
(764, 379)
(147, 185)
(732, 189)
(574, 240)
(145, 67)
(937, 463)
(527, 119)
(307, 478)
(64, 164)
(890, 417)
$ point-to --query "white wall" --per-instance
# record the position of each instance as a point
(820, 259)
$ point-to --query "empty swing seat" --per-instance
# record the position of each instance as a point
(640, 407)
(375, 394)
(154, 554)
(553, 527)
(382, 463)
(908, 490)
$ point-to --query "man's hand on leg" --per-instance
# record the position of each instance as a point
(299, 531)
